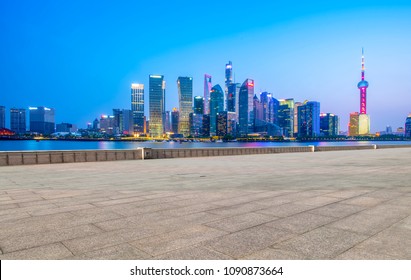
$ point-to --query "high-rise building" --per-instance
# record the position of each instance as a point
(185, 100)
(167, 122)
(286, 116)
(232, 97)
(226, 124)
(198, 105)
(309, 119)
(123, 122)
(107, 124)
(296, 105)
(364, 119)
(18, 120)
(196, 124)
(329, 124)
(207, 90)
(137, 107)
(66, 127)
(206, 126)
(157, 87)
(245, 110)
(2, 117)
(42, 120)
(408, 126)
(174, 120)
(353, 124)
(96, 124)
(228, 82)
(216, 105)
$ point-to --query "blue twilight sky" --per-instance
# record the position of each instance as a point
(80, 57)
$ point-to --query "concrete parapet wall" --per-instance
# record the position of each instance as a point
(48, 157)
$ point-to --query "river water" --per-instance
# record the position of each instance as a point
(33, 145)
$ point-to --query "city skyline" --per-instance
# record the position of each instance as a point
(312, 53)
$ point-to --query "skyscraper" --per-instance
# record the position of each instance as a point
(245, 110)
(157, 87)
(137, 107)
(18, 120)
(2, 117)
(185, 100)
(226, 123)
(207, 89)
(364, 119)
(42, 120)
(408, 126)
(329, 124)
(286, 116)
(296, 105)
(228, 82)
(309, 119)
(216, 105)
(353, 124)
(174, 120)
(198, 104)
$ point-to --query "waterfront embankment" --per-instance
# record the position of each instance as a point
(53, 156)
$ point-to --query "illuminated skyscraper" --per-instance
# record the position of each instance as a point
(174, 120)
(353, 124)
(198, 104)
(185, 100)
(286, 116)
(245, 112)
(207, 89)
(228, 82)
(296, 105)
(137, 107)
(2, 117)
(408, 126)
(329, 124)
(42, 120)
(309, 119)
(157, 88)
(364, 119)
(216, 105)
(18, 120)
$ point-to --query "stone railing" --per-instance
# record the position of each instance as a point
(47, 157)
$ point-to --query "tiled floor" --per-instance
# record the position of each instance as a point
(324, 205)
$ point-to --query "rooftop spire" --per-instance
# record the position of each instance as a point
(362, 65)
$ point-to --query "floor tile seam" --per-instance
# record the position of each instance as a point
(198, 245)
(62, 212)
(35, 247)
(356, 247)
(50, 231)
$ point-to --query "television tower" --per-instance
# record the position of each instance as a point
(364, 119)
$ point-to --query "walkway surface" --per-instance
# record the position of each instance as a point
(324, 205)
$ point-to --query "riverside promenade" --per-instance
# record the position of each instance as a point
(323, 205)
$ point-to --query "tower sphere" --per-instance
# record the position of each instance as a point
(362, 84)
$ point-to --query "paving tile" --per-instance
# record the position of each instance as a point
(193, 253)
(348, 193)
(8, 206)
(118, 201)
(56, 210)
(48, 252)
(394, 242)
(318, 201)
(240, 222)
(110, 238)
(248, 241)
(234, 210)
(364, 201)
(21, 242)
(286, 210)
(274, 254)
(164, 243)
(359, 254)
(301, 223)
(118, 252)
(13, 217)
(385, 194)
(338, 210)
(321, 243)
(366, 224)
